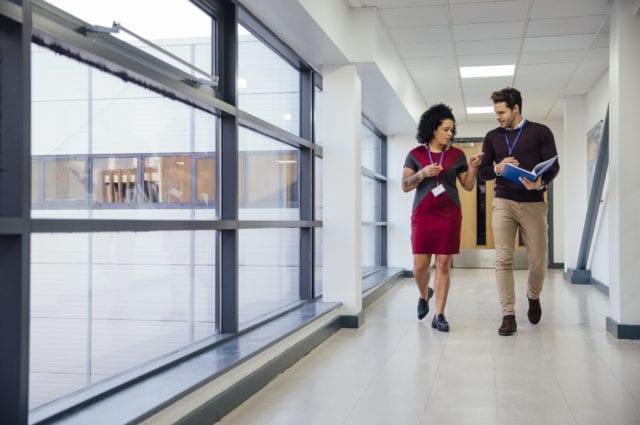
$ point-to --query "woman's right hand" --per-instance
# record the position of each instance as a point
(431, 170)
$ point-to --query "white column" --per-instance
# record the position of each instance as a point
(342, 257)
(624, 151)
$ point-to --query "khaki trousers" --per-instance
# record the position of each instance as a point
(531, 217)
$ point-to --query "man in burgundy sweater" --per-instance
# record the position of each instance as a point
(522, 143)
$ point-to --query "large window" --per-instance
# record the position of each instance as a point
(269, 183)
(268, 87)
(105, 143)
(373, 189)
(164, 215)
(110, 302)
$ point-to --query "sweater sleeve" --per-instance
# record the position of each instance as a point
(486, 171)
(548, 150)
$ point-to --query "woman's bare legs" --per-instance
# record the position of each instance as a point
(421, 264)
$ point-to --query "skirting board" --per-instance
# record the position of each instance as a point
(623, 331)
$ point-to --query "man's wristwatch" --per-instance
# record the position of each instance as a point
(543, 185)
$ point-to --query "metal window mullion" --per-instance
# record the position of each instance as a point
(383, 202)
(15, 204)
(305, 166)
(227, 264)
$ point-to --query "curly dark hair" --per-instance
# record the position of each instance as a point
(508, 95)
(431, 120)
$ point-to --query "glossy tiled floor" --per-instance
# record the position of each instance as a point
(396, 370)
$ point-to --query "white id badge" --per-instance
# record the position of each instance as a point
(438, 190)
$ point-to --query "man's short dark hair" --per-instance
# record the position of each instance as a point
(431, 120)
(508, 95)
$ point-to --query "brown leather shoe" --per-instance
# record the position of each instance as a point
(535, 311)
(509, 326)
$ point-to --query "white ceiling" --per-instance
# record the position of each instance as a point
(559, 47)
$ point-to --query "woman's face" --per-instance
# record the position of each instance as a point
(444, 132)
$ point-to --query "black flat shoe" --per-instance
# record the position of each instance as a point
(423, 305)
(440, 323)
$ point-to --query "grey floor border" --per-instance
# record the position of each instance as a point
(225, 402)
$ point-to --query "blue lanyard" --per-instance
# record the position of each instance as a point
(432, 161)
(506, 139)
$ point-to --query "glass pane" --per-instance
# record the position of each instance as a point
(115, 180)
(269, 272)
(318, 108)
(318, 189)
(110, 302)
(318, 261)
(167, 179)
(178, 26)
(35, 182)
(369, 249)
(65, 180)
(206, 179)
(370, 149)
(370, 200)
(268, 87)
(268, 181)
(129, 151)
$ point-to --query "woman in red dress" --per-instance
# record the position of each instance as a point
(432, 169)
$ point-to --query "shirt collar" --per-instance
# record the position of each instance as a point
(517, 126)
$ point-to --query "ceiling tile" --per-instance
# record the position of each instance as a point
(578, 87)
(563, 8)
(485, 86)
(437, 73)
(414, 16)
(514, 10)
(531, 84)
(447, 82)
(488, 59)
(565, 26)
(488, 31)
(425, 34)
(387, 4)
(560, 42)
(602, 40)
(425, 50)
(556, 56)
(597, 54)
(593, 66)
(563, 70)
(487, 46)
(416, 64)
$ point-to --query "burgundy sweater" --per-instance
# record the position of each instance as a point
(535, 144)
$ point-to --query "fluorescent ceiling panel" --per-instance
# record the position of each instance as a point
(479, 109)
(486, 71)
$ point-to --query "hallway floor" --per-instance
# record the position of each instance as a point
(397, 370)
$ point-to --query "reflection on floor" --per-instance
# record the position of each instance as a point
(397, 370)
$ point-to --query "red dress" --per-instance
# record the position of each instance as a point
(436, 220)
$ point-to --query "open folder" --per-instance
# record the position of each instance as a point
(514, 173)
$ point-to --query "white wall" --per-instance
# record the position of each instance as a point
(581, 114)
(596, 106)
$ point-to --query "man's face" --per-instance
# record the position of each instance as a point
(505, 116)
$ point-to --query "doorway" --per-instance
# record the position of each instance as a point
(477, 249)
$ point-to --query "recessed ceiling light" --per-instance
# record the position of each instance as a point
(486, 71)
(479, 109)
